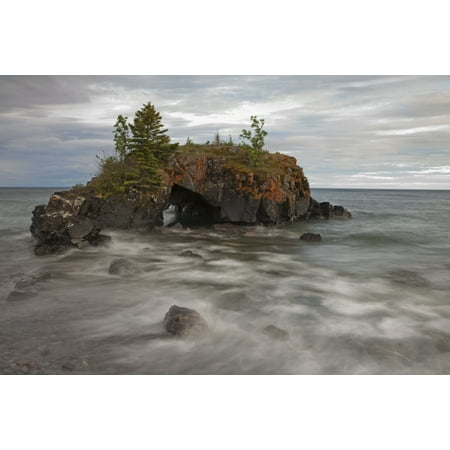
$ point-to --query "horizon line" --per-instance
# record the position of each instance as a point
(311, 189)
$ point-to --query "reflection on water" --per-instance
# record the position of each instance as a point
(371, 298)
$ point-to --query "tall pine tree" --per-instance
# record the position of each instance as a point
(149, 144)
(149, 135)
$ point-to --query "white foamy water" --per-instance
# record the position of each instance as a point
(372, 297)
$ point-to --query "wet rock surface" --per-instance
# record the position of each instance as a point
(203, 190)
(276, 333)
(122, 267)
(311, 237)
(28, 286)
(326, 210)
(185, 322)
(70, 220)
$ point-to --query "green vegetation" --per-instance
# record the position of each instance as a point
(142, 149)
(121, 136)
(255, 140)
(237, 158)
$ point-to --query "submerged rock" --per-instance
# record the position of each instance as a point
(311, 237)
(21, 295)
(190, 254)
(28, 281)
(122, 267)
(27, 286)
(184, 322)
(325, 210)
(276, 333)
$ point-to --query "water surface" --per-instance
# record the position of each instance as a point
(371, 298)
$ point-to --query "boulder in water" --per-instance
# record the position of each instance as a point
(184, 322)
(122, 267)
(26, 287)
(311, 237)
(276, 333)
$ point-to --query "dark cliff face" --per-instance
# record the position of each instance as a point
(203, 189)
(237, 195)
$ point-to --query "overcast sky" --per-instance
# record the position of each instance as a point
(345, 131)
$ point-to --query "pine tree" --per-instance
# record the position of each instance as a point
(217, 138)
(121, 136)
(149, 144)
(149, 135)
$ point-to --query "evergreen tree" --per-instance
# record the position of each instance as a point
(121, 136)
(217, 138)
(149, 144)
(149, 135)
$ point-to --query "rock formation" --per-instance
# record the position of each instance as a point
(184, 322)
(204, 188)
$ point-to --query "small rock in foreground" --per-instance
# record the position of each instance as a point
(122, 267)
(276, 333)
(26, 286)
(185, 322)
(311, 237)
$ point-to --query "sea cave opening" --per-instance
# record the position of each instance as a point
(189, 209)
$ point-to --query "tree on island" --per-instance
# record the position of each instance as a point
(149, 135)
(121, 136)
(142, 148)
(255, 137)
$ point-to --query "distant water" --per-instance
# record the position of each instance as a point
(373, 297)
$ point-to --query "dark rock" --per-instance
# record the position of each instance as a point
(68, 367)
(100, 239)
(81, 227)
(311, 237)
(326, 210)
(276, 333)
(190, 254)
(204, 189)
(27, 286)
(69, 220)
(81, 243)
(229, 228)
(21, 295)
(184, 322)
(340, 211)
(176, 226)
(122, 267)
(28, 281)
(302, 206)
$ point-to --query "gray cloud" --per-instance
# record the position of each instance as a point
(344, 130)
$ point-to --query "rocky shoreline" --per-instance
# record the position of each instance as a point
(203, 191)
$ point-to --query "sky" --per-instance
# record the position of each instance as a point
(345, 131)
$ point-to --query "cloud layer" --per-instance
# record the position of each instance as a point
(346, 131)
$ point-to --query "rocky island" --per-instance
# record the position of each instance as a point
(204, 184)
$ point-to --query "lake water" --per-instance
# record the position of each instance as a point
(372, 298)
